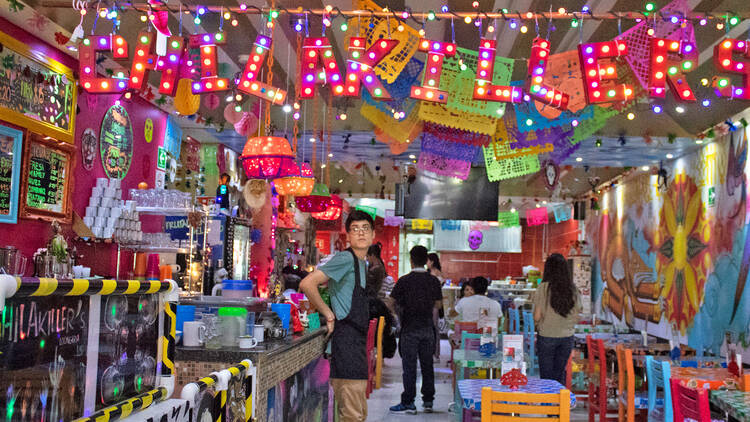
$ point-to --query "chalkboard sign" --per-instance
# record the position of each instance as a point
(36, 92)
(43, 358)
(47, 181)
(11, 141)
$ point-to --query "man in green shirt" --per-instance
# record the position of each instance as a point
(345, 274)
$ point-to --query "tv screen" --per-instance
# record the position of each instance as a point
(434, 197)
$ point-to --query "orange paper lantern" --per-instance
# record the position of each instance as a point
(268, 157)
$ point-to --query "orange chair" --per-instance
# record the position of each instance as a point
(690, 403)
(379, 356)
(597, 372)
(371, 356)
(626, 389)
(510, 407)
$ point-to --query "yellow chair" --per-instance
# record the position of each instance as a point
(379, 358)
(525, 407)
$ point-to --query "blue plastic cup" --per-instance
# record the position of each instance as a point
(284, 311)
(184, 313)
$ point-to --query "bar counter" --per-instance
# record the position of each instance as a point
(275, 360)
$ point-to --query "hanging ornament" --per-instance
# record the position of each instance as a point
(231, 115)
(332, 211)
(254, 193)
(317, 201)
(185, 102)
(211, 101)
(267, 157)
(551, 174)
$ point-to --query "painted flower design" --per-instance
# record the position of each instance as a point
(683, 251)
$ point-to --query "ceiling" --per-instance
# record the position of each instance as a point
(646, 126)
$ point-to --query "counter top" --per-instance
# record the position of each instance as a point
(265, 350)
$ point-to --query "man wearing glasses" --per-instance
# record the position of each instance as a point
(345, 274)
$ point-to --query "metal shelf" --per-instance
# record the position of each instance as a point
(154, 249)
(162, 211)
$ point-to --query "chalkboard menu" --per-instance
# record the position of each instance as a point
(47, 173)
(10, 169)
(36, 92)
(43, 358)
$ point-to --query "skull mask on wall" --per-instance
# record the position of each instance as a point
(475, 239)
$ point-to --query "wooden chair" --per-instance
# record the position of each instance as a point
(598, 388)
(658, 375)
(379, 357)
(371, 355)
(627, 405)
(690, 403)
(511, 407)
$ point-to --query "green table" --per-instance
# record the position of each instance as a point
(465, 358)
(735, 403)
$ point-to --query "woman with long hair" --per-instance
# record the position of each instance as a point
(557, 304)
(433, 266)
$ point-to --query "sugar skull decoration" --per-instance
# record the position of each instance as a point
(475, 239)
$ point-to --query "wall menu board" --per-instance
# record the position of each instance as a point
(47, 181)
(11, 142)
(35, 91)
(43, 358)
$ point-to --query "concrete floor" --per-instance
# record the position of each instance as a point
(390, 394)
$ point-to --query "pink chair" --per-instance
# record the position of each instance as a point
(371, 356)
(690, 403)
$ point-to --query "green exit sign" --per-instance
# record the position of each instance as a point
(712, 196)
(161, 159)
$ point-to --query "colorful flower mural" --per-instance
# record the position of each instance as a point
(683, 258)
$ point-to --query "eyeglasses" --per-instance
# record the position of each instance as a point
(360, 229)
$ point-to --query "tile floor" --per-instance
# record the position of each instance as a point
(390, 394)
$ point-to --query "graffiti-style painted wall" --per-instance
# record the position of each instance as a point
(672, 254)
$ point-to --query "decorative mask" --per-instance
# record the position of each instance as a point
(475, 239)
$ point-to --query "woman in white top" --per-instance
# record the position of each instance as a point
(479, 307)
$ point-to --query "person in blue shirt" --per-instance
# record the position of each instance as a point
(348, 321)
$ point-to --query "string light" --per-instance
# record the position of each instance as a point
(524, 29)
(631, 116)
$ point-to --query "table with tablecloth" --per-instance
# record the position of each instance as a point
(710, 378)
(471, 390)
(734, 403)
(633, 342)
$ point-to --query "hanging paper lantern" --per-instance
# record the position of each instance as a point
(267, 157)
(333, 212)
(317, 201)
(184, 101)
(308, 180)
(232, 115)
(211, 101)
(288, 185)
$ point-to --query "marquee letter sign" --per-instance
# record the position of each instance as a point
(313, 51)
(725, 62)
(146, 60)
(361, 65)
(209, 81)
(483, 88)
(249, 82)
(595, 74)
(665, 69)
(430, 89)
(87, 63)
(540, 49)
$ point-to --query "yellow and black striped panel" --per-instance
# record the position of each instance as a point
(126, 408)
(222, 396)
(168, 339)
(37, 286)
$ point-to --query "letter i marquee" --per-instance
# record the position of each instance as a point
(540, 49)
(249, 82)
(313, 51)
(361, 64)
(725, 62)
(596, 75)
(483, 88)
(210, 80)
(87, 63)
(436, 52)
(664, 68)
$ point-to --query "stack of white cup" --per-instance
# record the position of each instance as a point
(107, 214)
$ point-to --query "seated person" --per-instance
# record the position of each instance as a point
(478, 307)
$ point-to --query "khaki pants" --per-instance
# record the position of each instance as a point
(351, 400)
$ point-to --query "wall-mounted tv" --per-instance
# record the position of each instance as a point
(435, 197)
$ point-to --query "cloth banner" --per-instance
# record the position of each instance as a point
(537, 216)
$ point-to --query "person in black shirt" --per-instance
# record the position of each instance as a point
(418, 297)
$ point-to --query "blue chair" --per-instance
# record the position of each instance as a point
(529, 341)
(659, 374)
(514, 321)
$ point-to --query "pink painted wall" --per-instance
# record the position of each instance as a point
(29, 235)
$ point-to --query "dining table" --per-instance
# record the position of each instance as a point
(470, 390)
(708, 378)
(633, 342)
(732, 402)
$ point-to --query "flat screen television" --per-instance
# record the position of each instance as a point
(434, 197)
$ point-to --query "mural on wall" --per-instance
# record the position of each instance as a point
(302, 397)
(672, 256)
